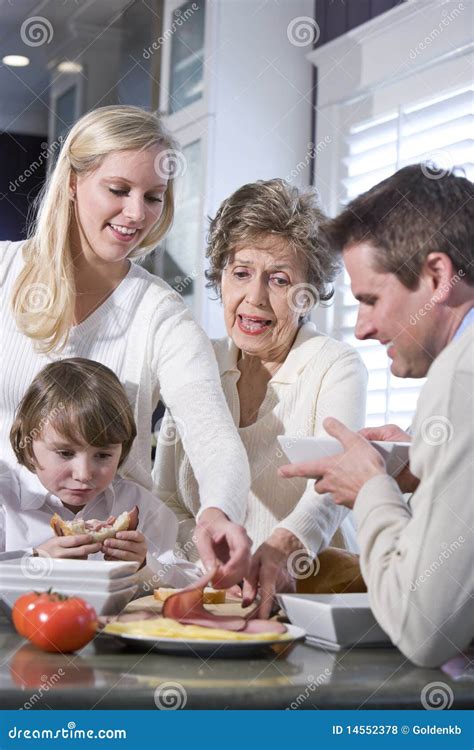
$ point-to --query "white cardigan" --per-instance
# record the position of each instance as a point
(321, 377)
(146, 335)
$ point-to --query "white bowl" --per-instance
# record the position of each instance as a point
(299, 450)
(343, 620)
(104, 602)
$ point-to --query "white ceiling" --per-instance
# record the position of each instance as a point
(24, 93)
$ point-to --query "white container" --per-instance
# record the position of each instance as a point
(335, 620)
(104, 602)
(304, 449)
(35, 568)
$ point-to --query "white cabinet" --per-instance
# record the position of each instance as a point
(237, 94)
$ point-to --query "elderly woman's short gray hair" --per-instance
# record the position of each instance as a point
(273, 207)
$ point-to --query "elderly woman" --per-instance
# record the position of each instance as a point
(270, 263)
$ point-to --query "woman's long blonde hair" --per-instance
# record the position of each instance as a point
(44, 293)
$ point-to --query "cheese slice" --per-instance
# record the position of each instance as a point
(164, 627)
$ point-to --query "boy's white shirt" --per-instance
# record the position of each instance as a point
(26, 511)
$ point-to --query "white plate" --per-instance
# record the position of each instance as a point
(299, 450)
(104, 602)
(218, 649)
(99, 573)
(344, 620)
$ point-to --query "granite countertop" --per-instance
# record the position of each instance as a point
(106, 674)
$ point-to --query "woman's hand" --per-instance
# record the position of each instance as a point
(223, 546)
(271, 571)
(126, 545)
(405, 479)
(78, 546)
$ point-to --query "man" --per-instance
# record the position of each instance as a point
(408, 247)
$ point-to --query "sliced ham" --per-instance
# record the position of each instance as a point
(99, 530)
(186, 606)
(264, 626)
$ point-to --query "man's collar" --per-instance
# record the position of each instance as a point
(298, 356)
(467, 321)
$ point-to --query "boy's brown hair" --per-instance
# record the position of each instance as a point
(416, 211)
(82, 400)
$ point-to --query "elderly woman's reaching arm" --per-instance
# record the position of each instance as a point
(315, 519)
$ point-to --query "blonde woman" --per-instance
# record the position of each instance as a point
(270, 262)
(71, 290)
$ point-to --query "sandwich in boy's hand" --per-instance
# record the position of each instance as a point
(97, 530)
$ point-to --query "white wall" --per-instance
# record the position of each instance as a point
(259, 101)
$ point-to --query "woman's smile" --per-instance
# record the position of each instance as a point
(123, 233)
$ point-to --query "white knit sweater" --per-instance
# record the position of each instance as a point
(146, 335)
(321, 377)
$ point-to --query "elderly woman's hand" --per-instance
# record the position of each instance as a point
(271, 571)
(223, 546)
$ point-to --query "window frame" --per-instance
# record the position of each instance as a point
(352, 89)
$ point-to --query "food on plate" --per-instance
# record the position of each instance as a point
(137, 614)
(210, 595)
(54, 622)
(98, 530)
(187, 607)
(164, 627)
(185, 618)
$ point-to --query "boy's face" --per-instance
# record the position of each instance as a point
(75, 472)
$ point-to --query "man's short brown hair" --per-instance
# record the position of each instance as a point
(414, 212)
(82, 400)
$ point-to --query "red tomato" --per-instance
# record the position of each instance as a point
(54, 622)
(20, 611)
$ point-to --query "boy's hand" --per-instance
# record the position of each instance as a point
(127, 545)
(78, 546)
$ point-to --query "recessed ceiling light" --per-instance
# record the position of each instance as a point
(16, 61)
(69, 67)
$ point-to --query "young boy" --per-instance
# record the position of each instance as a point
(74, 428)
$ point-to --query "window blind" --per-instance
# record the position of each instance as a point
(439, 130)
